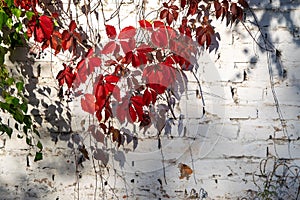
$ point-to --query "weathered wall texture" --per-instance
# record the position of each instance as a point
(224, 148)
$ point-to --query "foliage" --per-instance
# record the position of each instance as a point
(12, 99)
(139, 74)
(149, 61)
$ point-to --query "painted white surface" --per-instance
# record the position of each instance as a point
(223, 152)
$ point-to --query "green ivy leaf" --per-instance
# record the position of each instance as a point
(9, 23)
(27, 120)
(29, 141)
(25, 130)
(6, 129)
(12, 100)
(24, 107)
(5, 106)
(17, 12)
(20, 86)
(9, 2)
(19, 116)
(38, 156)
(3, 18)
(29, 15)
(10, 81)
(39, 145)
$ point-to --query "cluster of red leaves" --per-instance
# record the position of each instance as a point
(232, 11)
(157, 60)
(26, 4)
(199, 17)
(41, 27)
(170, 13)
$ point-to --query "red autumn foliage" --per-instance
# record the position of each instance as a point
(41, 27)
(26, 4)
(152, 67)
(66, 76)
(70, 37)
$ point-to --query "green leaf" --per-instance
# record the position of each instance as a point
(6, 129)
(9, 2)
(18, 27)
(19, 116)
(25, 130)
(20, 86)
(38, 156)
(17, 12)
(5, 106)
(29, 141)
(24, 107)
(39, 145)
(27, 120)
(9, 23)
(29, 15)
(10, 81)
(2, 18)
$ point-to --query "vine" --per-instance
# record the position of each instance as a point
(12, 99)
(134, 80)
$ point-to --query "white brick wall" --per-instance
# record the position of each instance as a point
(224, 150)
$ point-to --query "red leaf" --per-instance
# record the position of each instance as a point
(185, 171)
(121, 113)
(233, 9)
(88, 103)
(208, 40)
(174, 7)
(89, 53)
(67, 40)
(240, 13)
(127, 33)
(56, 42)
(149, 96)
(193, 8)
(81, 72)
(132, 113)
(126, 46)
(165, 5)
(72, 26)
(144, 48)
(111, 79)
(175, 15)
(182, 3)
(202, 39)
(163, 14)
(137, 100)
(158, 24)
(145, 24)
(159, 38)
(218, 9)
(46, 25)
(170, 18)
(116, 93)
(65, 76)
(38, 34)
(93, 62)
(110, 31)
(55, 15)
(109, 47)
(244, 3)
(139, 59)
(157, 87)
